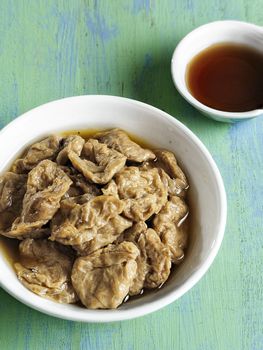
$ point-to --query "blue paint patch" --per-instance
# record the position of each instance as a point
(147, 64)
(190, 5)
(28, 333)
(98, 27)
(85, 343)
(238, 128)
(101, 33)
(205, 345)
(141, 5)
(91, 336)
(67, 53)
(257, 342)
(7, 21)
(247, 138)
(10, 108)
(148, 60)
(15, 98)
(130, 347)
(186, 304)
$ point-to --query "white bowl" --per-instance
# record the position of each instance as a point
(159, 129)
(203, 37)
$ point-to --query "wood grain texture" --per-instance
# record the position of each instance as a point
(52, 49)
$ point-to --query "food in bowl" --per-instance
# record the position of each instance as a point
(98, 219)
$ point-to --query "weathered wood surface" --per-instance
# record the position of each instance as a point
(52, 49)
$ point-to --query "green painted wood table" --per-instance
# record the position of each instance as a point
(52, 49)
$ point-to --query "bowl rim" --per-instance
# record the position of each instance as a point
(184, 91)
(99, 316)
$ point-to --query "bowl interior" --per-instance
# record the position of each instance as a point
(162, 131)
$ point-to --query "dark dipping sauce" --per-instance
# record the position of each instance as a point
(227, 77)
(10, 247)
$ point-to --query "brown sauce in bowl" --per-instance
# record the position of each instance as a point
(227, 77)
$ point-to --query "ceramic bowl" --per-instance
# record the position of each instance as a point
(159, 129)
(203, 37)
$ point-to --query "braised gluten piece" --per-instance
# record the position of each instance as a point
(98, 220)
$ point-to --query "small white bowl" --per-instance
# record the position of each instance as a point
(160, 130)
(203, 37)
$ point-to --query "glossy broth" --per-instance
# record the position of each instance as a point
(227, 77)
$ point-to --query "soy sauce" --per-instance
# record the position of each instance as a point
(227, 77)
